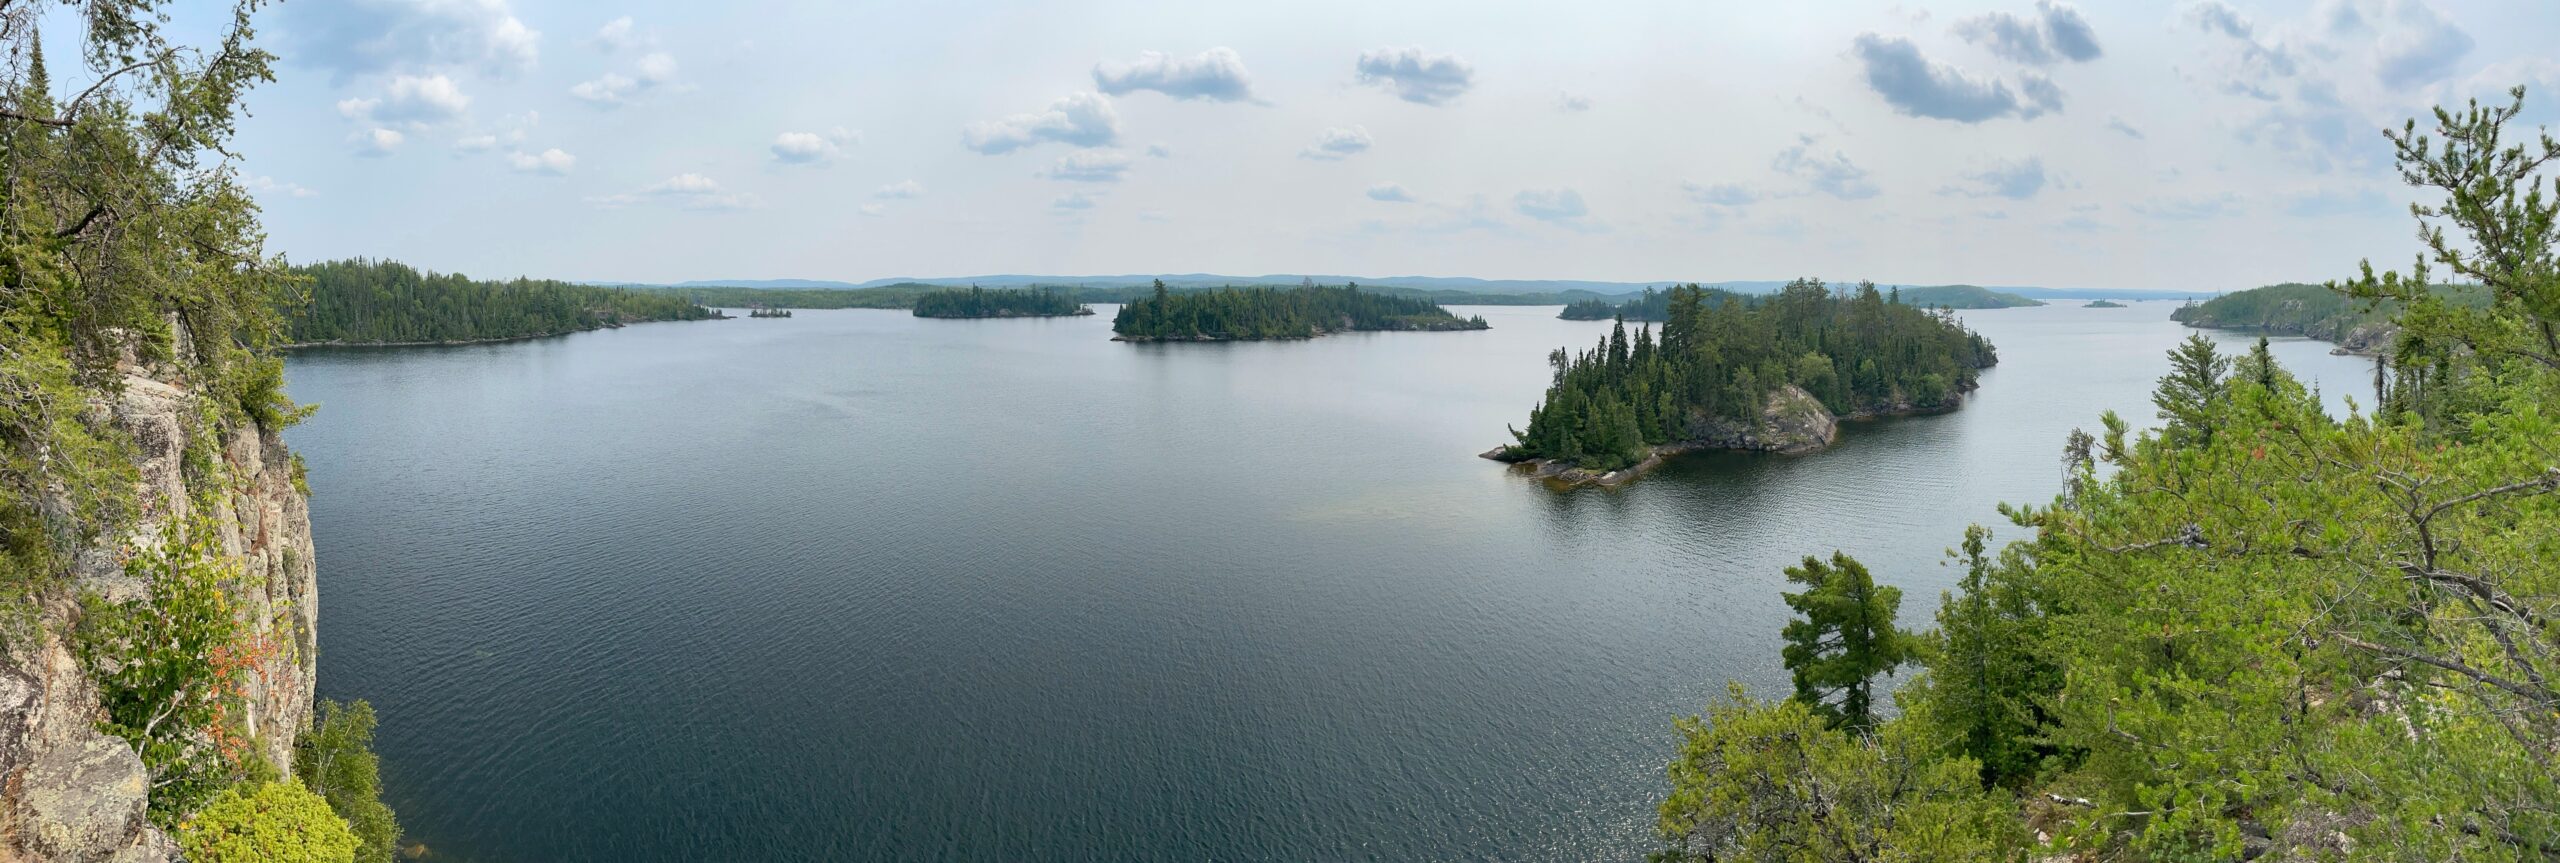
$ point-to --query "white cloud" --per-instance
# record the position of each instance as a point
(1217, 75)
(1338, 143)
(1550, 205)
(352, 38)
(1415, 75)
(614, 89)
(271, 184)
(2057, 33)
(417, 101)
(554, 162)
(811, 148)
(902, 190)
(1079, 120)
(1391, 193)
(2016, 180)
(615, 35)
(475, 143)
(872, 210)
(1091, 166)
(376, 141)
(684, 191)
(1073, 201)
(657, 67)
(1720, 194)
(1830, 173)
(1571, 102)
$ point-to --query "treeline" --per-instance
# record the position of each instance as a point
(2311, 311)
(2258, 633)
(361, 301)
(1652, 305)
(1718, 359)
(976, 302)
(1277, 313)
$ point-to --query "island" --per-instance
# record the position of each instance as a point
(1305, 312)
(762, 312)
(977, 302)
(1654, 306)
(1772, 374)
(2103, 304)
(1957, 297)
(2353, 326)
(371, 302)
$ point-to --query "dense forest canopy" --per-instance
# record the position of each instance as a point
(360, 301)
(2297, 309)
(1277, 313)
(1720, 359)
(904, 295)
(2260, 632)
(977, 302)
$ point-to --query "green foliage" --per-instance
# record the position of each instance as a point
(335, 759)
(266, 822)
(2266, 633)
(122, 235)
(1276, 313)
(1959, 297)
(1771, 781)
(1719, 359)
(976, 302)
(1844, 639)
(360, 301)
(2313, 311)
(166, 664)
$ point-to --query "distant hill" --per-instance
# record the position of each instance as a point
(1439, 287)
(1962, 297)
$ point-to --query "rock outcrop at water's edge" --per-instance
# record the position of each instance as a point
(69, 792)
(1792, 423)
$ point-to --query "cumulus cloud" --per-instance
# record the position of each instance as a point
(683, 191)
(1217, 75)
(1338, 143)
(1918, 87)
(263, 184)
(1391, 193)
(2420, 47)
(1830, 173)
(903, 190)
(811, 148)
(1073, 201)
(2264, 58)
(376, 141)
(411, 100)
(352, 38)
(2016, 180)
(614, 89)
(615, 35)
(1091, 166)
(475, 143)
(1079, 120)
(2056, 33)
(1571, 102)
(553, 162)
(1720, 194)
(1415, 75)
(1550, 205)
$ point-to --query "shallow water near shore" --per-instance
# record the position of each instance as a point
(858, 585)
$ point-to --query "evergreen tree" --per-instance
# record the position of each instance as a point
(1844, 639)
(2191, 390)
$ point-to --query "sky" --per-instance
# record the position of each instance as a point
(2178, 145)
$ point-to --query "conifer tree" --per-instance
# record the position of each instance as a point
(1845, 638)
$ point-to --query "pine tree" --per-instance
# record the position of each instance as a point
(2188, 393)
(1845, 638)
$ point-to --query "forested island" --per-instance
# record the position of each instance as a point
(1769, 373)
(2103, 304)
(2360, 326)
(976, 302)
(1241, 314)
(2258, 633)
(377, 302)
(1655, 306)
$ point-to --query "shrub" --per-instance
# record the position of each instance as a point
(266, 822)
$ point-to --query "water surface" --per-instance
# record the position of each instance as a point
(857, 585)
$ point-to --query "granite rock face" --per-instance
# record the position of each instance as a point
(73, 794)
(1793, 422)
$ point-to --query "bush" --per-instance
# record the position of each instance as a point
(337, 760)
(266, 822)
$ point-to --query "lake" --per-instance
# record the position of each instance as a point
(858, 585)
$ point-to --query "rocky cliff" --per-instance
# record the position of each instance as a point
(1792, 423)
(70, 793)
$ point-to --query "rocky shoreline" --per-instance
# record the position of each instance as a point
(1793, 423)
